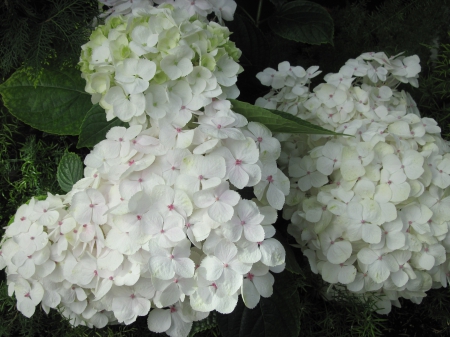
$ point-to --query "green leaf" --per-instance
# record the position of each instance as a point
(278, 3)
(95, 126)
(70, 170)
(56, 103)
(251, 41)
(278, 315)
(277, 121)
(303, 21)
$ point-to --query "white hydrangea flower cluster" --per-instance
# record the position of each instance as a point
(222, 9)
(155, 223)
(370, 210)
(153, 61)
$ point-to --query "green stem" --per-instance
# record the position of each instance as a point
(248, 15)
(258, 15)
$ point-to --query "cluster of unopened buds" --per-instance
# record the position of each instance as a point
(370, 210)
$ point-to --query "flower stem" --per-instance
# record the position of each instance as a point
(258, 15)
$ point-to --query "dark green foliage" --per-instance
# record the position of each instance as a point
(434, 91)
(28, 163)
(395, 26)
(29, 158)
(39, 32)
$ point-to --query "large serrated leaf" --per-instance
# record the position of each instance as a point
(277, 121)
(303, 21)
(95, 126)
(56, 104)
(70, 170)
(276, 316)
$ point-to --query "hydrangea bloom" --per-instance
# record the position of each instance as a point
(152, 62)
(369, 210)
(222, 9)
(154, 226)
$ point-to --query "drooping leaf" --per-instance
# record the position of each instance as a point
(70, 170)
(277, 121)
(56, 104)
(303, 21)
(276, 316)
(95, 126)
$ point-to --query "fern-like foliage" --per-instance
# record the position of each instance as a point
(39, 32)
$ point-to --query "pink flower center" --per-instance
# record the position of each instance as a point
(32, 238)
(270, 179)
(259, 139)
(178, 130)
(200, 177)
(85, 225)
(120, 139)
(219, 126)
(45, 211)
(131, 162)
(132, 296)
(250, 276)
(22, 218)
(91, 205)
(95, 272)
(242, 222)
(173, 309)
(238, 162)
(27, 295)
(138, 217)
(171, 207)
(111, 278)
(173, 168)
(140, 180)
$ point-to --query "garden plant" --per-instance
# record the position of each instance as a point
(224, 168)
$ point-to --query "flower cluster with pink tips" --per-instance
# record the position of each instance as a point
(370, 210)
(156, 227)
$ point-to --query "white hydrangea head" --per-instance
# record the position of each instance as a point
(157, 222)
(153, 62)
(370, 209)
(222, 9)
